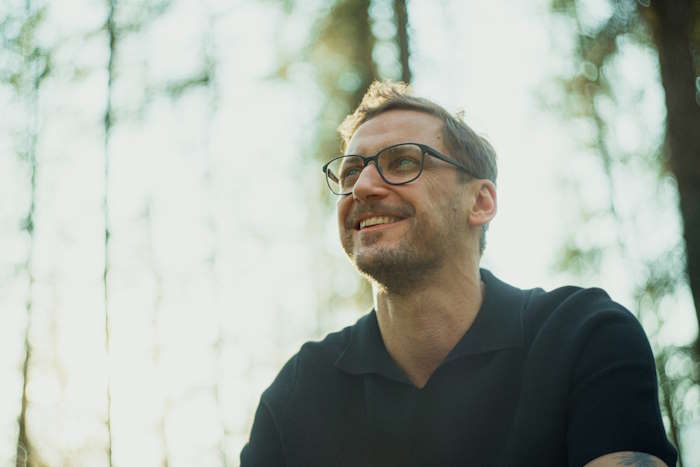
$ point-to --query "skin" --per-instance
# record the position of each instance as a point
(627, 458)
(424, 268)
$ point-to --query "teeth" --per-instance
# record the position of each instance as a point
(376, 221)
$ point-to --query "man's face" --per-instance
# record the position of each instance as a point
(397, 234)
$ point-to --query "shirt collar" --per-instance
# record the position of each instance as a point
(497, 326)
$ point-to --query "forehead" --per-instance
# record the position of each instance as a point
(396, 126)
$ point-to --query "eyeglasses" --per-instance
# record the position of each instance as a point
(397, 165)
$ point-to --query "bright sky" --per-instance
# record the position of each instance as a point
(221, 264)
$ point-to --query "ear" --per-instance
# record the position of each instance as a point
(485, 204)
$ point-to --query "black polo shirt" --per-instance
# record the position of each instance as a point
(539, 379)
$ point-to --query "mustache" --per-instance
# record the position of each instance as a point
(376, 208)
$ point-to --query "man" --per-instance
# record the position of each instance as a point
(452, 366)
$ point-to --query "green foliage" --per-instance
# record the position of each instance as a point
(579, 259)
(27, 224)
(341, 51)
(596, 50)
(134, 15)
(563, 6)
(23, 62)
(661, 279)
(177, 88)
(659, 274)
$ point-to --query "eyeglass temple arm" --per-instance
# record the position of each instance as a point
(442, 157)
(328, 173)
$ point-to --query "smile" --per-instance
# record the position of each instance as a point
(378, 220)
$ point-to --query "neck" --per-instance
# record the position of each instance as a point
(420, 328)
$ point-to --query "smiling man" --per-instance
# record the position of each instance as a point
(452, 366)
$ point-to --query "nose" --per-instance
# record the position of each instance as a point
(369, 184)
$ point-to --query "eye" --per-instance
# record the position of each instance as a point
(350, 172)
(403, 163)
(406, 163)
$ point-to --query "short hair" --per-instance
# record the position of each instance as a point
(463, 143)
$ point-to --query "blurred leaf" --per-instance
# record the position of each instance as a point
(176, 88)
(134, 16)
(588, 95)
(27, 225)
(579, 259)
(663, 274)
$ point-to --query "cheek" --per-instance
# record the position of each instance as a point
(342, 211)
(443, 205)
(435, 196)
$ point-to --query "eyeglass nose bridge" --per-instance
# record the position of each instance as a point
(367, 160)
(365, 163)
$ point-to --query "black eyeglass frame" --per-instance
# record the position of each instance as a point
(425, 149)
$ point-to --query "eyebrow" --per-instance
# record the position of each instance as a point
(357, 152)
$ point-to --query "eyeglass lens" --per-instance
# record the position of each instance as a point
(397, 164)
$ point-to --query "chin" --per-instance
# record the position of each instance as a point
(395, 270)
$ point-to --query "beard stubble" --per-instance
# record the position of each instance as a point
(405, 265)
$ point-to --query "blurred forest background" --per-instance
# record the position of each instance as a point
(167, 241)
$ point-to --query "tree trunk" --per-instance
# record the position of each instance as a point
(666, 388)
(401, 16)
(671, 26)
(23, 450)
(111, 31)
(365, 45)
(23, 447)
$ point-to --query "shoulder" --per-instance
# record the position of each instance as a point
(310, 365)
(573, 314)
(562, 310)
(589, 372)
(574, 335)
(570, 299)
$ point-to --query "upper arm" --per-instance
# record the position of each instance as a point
(264, 447)
(614, 416)
(627, 458)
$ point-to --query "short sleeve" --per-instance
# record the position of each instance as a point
(613, 404)
(264, 448)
